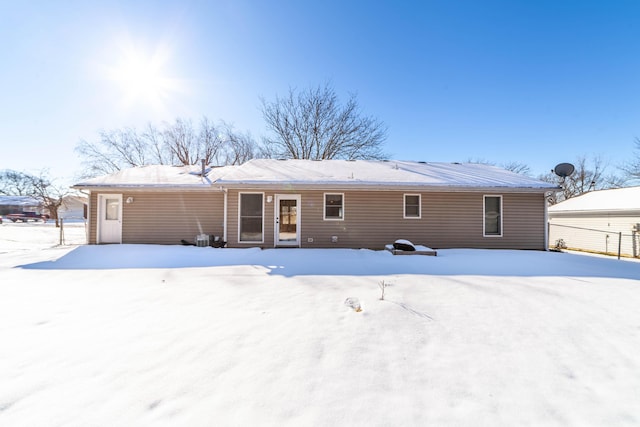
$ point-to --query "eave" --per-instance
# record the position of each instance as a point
(325, 186)
(596, 213)
(381, 186)
(148, 188)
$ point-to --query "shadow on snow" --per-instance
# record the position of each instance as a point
(343, 262)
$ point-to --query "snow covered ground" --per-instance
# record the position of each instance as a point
(174, 335)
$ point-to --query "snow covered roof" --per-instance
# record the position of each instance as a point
(357, 173)
(377, 173)
(26, 201)
(156, 176)
(618, 199)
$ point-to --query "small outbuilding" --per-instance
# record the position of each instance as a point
(604, 221)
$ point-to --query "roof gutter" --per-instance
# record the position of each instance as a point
(596, 212)
(140, 188)
(382, 187)
(546, 219)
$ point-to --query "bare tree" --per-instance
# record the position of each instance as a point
(115, 150)
(312, 124)
(589, 175)
(239, 148)
(40, 187)
(631, 169)
(517, 167)
(211, 142)
(513, 166)
(13, 183)
(177, 143)
(155, 143)
(179, 140)
(50, 195)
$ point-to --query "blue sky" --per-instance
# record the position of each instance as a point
(539, 82)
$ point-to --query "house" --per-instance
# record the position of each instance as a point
(599, 221)
(17, 204)
(321, 204)
(72, 208)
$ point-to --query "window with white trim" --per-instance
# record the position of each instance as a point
(412, 206)
(333, 206)
(251, 217)
(492, 216)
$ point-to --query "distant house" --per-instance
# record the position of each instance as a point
(73, 208)
(321, 204)
(599, 221)
(17, 204)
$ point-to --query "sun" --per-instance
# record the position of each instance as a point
(143, 78)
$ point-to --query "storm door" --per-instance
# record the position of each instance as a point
(287, 220)
(109, 218)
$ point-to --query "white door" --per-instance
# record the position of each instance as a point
(109, 218)
(287, 218)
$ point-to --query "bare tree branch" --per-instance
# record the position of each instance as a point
(631, 168)
(39, 187)
(50, 195)
(517, 167)
(178, 142)
(589, 175)
(238, 148)
(311, 124)
(513, 166)
(14, 183)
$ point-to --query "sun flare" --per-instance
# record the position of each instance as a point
(142, 78)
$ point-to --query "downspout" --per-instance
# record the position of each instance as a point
(224, 216)
(87, 230)
(546, 220)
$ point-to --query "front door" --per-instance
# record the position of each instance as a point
(287, 217)
(109, 218)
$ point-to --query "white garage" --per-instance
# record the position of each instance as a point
(605, 221)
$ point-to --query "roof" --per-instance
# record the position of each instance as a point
(376, 173)
(618, 199)
(155, 176)
(26, 201)
(343, 173)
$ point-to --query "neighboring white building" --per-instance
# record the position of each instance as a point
(73, 207)
(599, 221)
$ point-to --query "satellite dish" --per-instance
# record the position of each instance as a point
(563, 170)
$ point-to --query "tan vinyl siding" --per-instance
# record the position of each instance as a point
(373, 219)
(233, 221)
(165, 217)
(92, 214)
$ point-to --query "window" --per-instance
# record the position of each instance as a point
(493, 216)
(334, 206)
(112, 209)
(412, 206)
(251, 217)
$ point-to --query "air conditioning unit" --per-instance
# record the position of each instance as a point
(202, 240)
